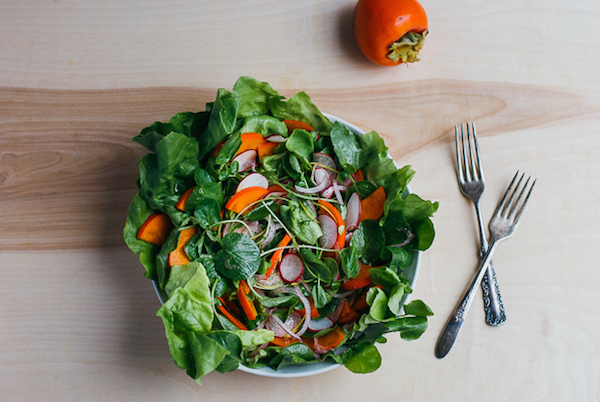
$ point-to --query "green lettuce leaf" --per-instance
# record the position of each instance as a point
(300, 107)
(221, 123)
(187, 123)
(138, 212)
(254, 96)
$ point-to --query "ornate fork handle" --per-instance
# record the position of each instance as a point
(492, 300)
(454, 324)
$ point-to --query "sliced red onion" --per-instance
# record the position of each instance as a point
(409, 237)
(269, 235)
(287, 329)
(337, 193)
(307, 310)
(319, 175)
(312, 190)
(348, 182)
(328, 192)
(254, 228)
(305, 303)
(277, 194)
(349, 236)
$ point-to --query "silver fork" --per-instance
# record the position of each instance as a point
(472, 184)
(503, 224)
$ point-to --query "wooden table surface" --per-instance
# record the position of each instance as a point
(79, 79)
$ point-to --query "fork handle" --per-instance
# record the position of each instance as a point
(454, 324)
(492, 300)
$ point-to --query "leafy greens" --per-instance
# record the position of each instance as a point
(215, 250)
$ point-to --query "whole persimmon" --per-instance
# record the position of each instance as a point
(390, 32)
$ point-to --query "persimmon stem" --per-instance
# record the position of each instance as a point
(407, 47)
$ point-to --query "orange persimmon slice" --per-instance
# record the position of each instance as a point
(284, 341)
(247, 305)
(155, 229)
(178, 256)
(360, 281)
(250, 141)
(242, 199)
(348, 315)
(372, 205)
(266, 149)
(181, 203)
(230, 316)
(326, 342)
(295, 124)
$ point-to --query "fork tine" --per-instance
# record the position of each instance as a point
(473, 168)
(501, 204)
(459, 164)
(479, 169)
(510, 204)
(522, 207)
(467, 171)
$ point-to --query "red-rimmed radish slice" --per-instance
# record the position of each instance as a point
(354, 212)
(325, 160)
(276, 138)
(330, 231)
(253, 180)
(272, 282)
(319, 324)
(291, 268)
(246, 160)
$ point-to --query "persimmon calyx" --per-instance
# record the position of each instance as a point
(406, 49)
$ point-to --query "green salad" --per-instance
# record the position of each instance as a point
(276, 236)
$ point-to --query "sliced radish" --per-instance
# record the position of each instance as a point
(330, 231)
(246, 160)
(276, 138)
(272, 282)
(354, 212)
(320, 324)
(253, 180)
(291, 268)
(325, 160)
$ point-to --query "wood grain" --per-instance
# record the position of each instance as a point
(68, 165)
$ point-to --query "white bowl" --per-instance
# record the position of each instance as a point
(409, 273)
